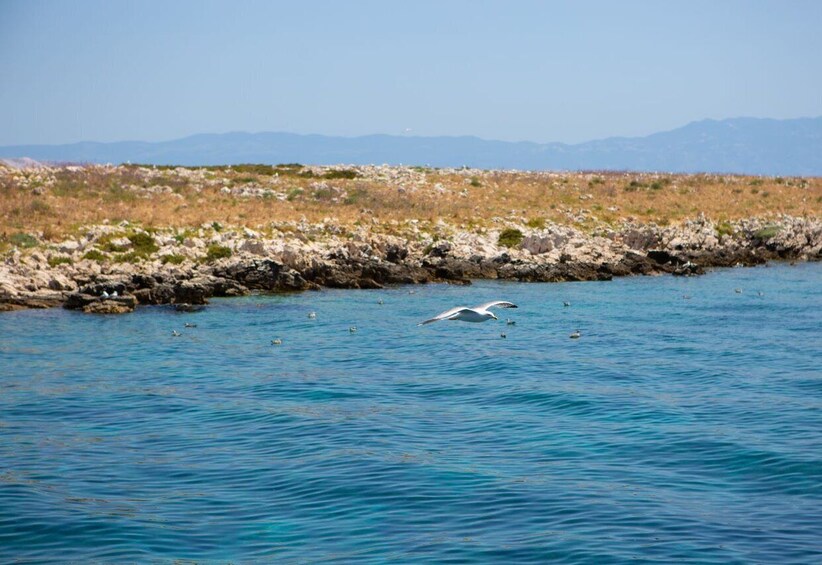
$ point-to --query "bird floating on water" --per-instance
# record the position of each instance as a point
(352, 329)
(738, 290)
(502, 335)
(476, 314)
(575, 335)
(760, 293)
(510, 322)
(175, 333)
(686, 296)
(190, 325)
(566, 304)
(380, 302)
(277, 341)
(312, 315)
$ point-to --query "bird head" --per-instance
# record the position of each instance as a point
(493, 315)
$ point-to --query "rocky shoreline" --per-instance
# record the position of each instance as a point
(187, 267)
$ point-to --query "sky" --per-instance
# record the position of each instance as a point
(112, 70)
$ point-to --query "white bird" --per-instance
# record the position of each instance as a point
(575, 335)
(352, 329)
(511, 322)
(464, 314)
(175, 333)
(312, 315)
(104, 294)
(190, 325)
(114, 294)
(277, 341)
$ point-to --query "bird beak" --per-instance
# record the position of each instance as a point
(493, 316)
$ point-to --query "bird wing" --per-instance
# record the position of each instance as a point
(497, 303)
(445, 315)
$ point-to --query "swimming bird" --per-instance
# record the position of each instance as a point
(502, 335)
(510, 322)
(760, 293)
(352, 329)
(277, 341)
(175, 333)
(476, 314)
(575, 335)
(686, 296)
(738, 290)
(380, 302)
(190, 325)
(312, 315)
(566, 304)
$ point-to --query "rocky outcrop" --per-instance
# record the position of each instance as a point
(291, 261)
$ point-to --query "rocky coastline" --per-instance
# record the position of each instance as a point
(185, 268)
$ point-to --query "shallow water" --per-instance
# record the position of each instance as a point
(674, 429)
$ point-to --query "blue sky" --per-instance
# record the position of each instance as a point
(511, 70)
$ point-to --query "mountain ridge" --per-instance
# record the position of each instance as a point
(763, 146)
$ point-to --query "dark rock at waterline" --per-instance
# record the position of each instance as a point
(264, 274)
(98, 305)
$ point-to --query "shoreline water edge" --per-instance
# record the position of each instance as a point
(186, 268)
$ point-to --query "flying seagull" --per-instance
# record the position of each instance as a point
(477, 314)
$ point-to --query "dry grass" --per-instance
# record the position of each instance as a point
(56, 202)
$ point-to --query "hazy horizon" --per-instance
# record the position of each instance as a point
(530, 71)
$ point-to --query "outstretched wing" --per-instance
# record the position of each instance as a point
(497, 304)
(445, 315)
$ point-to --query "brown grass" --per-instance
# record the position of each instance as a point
(56, 202)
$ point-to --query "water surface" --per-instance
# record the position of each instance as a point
(674, 430)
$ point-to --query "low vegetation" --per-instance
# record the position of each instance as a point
(47, 205)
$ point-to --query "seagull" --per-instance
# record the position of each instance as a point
(312, 315)
(175, 333)
(575, 335)
(352, 329)
(190, 325)
(566, 304)
(380, 302)
(277, 341)
(477, 314)
(114, 294)
(510, 322)
(104, 294)
(738, 290)
(502, 335)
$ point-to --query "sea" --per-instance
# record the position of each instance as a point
(683, 425)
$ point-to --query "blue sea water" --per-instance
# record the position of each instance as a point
(674, 429)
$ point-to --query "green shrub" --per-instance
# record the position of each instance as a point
(633, 186)
(130, 257)
(94, 255)
(53, 261)
(217, 252)
(143, 244)
(536, 223)
(174, 259)
(475, 182)
(767, 232)
(510, 237)
(341, 174)
(23, 240)
(217, 226)
(724, 228)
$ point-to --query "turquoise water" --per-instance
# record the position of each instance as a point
(673, 430)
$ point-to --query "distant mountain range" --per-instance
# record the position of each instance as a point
(738, 145)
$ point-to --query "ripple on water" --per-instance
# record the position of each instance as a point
(672, 430)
